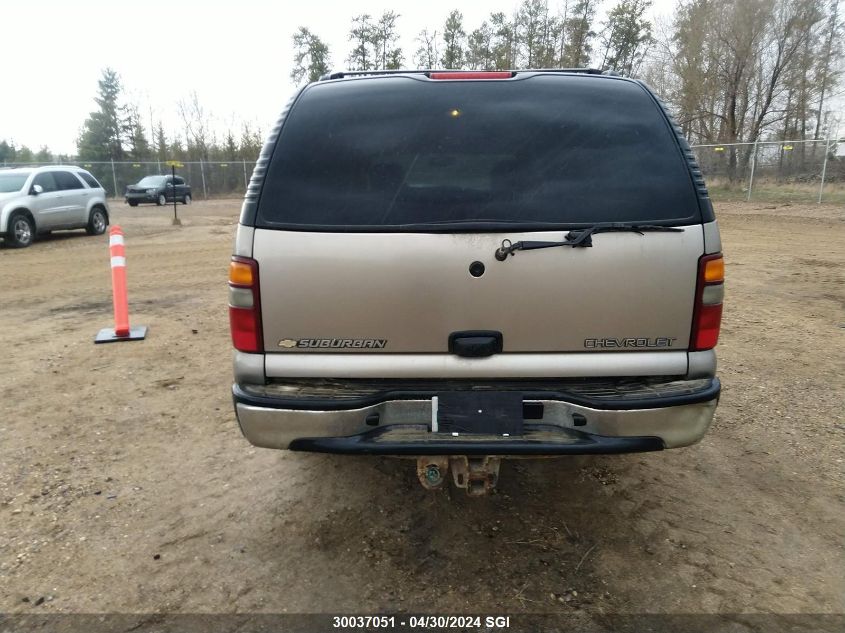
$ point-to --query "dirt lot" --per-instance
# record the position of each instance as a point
(125, 485)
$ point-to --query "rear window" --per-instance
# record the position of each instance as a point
(12, 182)
(398, 152)
(88, 178)
(151, 181)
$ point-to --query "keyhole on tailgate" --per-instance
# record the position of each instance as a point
(476, 269)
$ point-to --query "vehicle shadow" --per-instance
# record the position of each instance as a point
(59, 236)
(381, 540)
(47, 238)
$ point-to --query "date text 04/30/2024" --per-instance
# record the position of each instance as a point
(436, 622)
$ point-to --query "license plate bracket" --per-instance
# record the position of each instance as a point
(480, 413)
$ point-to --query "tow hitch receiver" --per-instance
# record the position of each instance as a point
(477, 475)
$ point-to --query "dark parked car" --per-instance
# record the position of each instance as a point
(159, 189)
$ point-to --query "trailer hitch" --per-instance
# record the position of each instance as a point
(477, 475)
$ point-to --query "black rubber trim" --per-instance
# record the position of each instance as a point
(252, 197)
(240, 395)
(705, 204)
(369, 444)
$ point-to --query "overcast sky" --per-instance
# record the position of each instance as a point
(236, 55)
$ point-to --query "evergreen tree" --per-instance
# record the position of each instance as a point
(626, 36)
(230, 146)
(175, 150)
(44, 155)
(7, 152)
(310, 58)
(361, 35)
(139, 146)
(102, 133)
(454, 38)
(536, 29)
(480, 48)
(395, 59)
(250, 144)
(578, 48)
(24, 155)
(160, 143)
(504, 44)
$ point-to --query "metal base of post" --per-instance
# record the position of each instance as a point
(107, 335)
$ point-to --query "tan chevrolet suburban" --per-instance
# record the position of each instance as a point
(465, 266)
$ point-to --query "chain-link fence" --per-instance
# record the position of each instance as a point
(208, 179)
(801, 171)
(777, 171)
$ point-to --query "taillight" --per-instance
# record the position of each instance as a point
(495, 74)
(245, 305)
(709, 292)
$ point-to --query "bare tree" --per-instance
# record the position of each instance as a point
(384, 37)
(742, 68)
(791, 29)
(197, 123)
(427, 55)
(828, 72)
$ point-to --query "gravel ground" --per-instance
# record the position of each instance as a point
(125, 485)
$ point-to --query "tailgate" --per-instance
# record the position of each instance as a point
(407, 292)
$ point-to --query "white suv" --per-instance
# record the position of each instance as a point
(43, 199)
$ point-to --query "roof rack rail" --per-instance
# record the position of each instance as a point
(340, 74)
(585, 71)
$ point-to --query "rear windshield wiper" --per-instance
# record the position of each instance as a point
(580, 237)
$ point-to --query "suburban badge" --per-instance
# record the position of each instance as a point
(334, 343)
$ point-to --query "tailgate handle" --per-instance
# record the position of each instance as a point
(475, 344)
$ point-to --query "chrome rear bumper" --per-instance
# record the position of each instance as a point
(558, 423)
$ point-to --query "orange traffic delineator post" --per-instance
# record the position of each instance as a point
(121, 330)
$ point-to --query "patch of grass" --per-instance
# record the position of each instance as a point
(834, 193)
